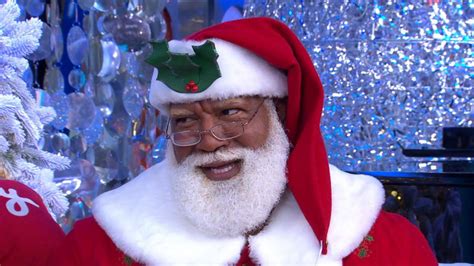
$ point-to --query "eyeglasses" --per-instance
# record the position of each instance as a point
(223, 131)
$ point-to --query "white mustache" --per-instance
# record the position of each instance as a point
(200, 159)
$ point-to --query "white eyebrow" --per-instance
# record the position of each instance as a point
(180, 112)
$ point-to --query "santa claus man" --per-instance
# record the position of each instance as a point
(246, 179)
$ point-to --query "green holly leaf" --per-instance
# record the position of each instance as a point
(369, 238)
(158, 58)
(160, 54)
(184, 73)
(206, 57)
(183, 70)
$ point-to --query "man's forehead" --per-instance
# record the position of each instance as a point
(187, 107)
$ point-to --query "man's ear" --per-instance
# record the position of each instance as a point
(280, 106)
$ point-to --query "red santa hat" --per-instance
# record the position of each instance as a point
(241, 73)
(262, 56)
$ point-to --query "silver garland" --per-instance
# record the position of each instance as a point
(394, 72)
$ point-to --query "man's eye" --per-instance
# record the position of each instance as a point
(231, 111)
(183, 120)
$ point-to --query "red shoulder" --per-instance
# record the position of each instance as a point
(89, 226)
(89, 244)
(400, 227)
(29, 233)
(90, 237)
(404, 239)
(392, 240)
(395, 221)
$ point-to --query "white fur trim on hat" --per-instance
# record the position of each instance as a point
(243, 74)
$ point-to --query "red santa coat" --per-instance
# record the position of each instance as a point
(139, 223)
(29, 235)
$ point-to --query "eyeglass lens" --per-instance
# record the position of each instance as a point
(222, 131)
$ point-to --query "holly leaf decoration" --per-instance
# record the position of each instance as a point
(186, 73)
(158, 59)
(206, 57)
(160, 54)
(183, 71)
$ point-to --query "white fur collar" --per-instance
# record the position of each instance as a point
(157, 234)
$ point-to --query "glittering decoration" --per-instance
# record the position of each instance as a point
(394, 72)
(130, 30)
(104, 121)
(77, 45)
(82, 111)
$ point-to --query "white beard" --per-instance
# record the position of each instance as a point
(243, 203)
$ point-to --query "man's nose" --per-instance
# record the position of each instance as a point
(208, 142)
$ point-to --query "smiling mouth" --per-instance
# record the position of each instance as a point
(221, 170)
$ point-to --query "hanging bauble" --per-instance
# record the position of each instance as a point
(117, 6)
(159, 150)
(110, 59)
(130, 64)
(66, 183)
(53, 14)
(78, 144)
(104, 98)
(77, 78)
(77, 45)
(152, 7)
(129, 30)
(157, 27)
(109, 140)
(150, 128)
(80, 176)
(139, 147)
(132, 98)
(118, 121)
(57, 42)
(81, 111)
(95, 130)
(89, 23)
(59, 102)
(145, 70)
(60, 142)
(85, 4)
(44, 49)
(35, 7)
(53, 80)
(88, 176)
(100, 24)
(106, 163)
(94, 57)
(89, 87)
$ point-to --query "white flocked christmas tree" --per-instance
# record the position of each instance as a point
(21, 118)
